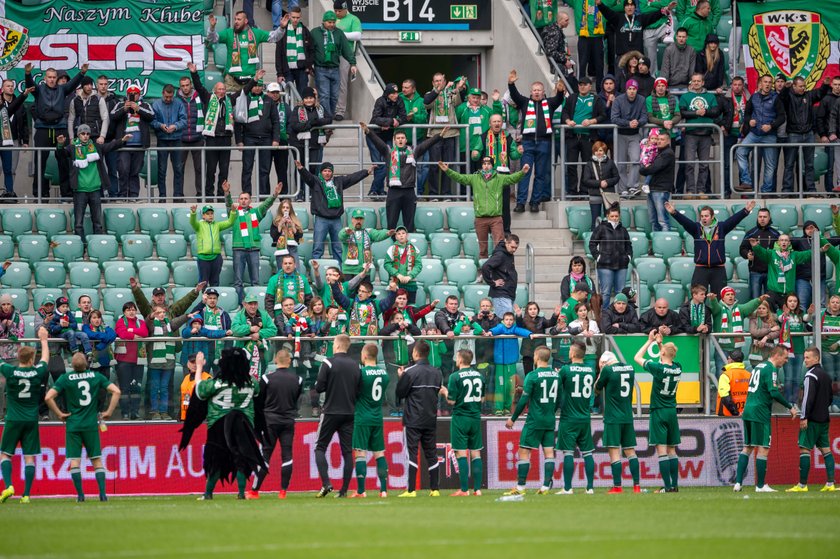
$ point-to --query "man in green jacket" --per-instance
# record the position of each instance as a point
(254, 323)
(246, 235)
(487, 189)
(781, 266)
(699, 23)
(404, 263)
(243, 43)
(728, 317)
(357, 242)
(208, 240)
(416, 113)
(477, 116)
(352, 27)
(331, 45)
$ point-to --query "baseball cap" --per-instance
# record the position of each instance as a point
(251, 299)
(401, 228)
(474, 91)
(48, 300)
(273, 86)
(585, 80)
(390, 89)
(340, 5)
(62, 301)
(358, 213)
(206, 209)
(211, 291)
(158, 291)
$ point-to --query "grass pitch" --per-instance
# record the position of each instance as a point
(693, 523)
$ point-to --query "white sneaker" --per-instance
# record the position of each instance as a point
(590, 491)
(646, 189)
(565, 492)
(736, 488)
(765, 489)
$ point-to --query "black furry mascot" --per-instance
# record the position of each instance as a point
(227, 403)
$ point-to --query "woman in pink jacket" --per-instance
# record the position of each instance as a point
(131, 357)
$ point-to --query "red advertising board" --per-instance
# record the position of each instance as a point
(783, 462)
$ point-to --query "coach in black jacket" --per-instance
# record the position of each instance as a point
(814, 417)
(419, 386)
(340, 378)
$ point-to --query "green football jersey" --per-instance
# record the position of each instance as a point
(617, 382)
(23, 386)
(540, 393)
(224, 398)
(466, 389)
(663, 390)
(577, 381)
(761, 392)
(80, 391)
(374, 381)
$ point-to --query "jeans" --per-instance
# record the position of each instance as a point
(381, 171)
(130, 379)
(792, 162)
(8, 172)
(728, 141)
(793, 378)
(327, 80)
(656, 210)
(610, 282)
(770, 156)
(501, 305)
(537, 154)
(159, 381)
(299, 77)
(758, 284)
(628, 150)
(209, 270)
(130, 164)
(422, 173)
(241, 258)
(164, 155)
(277, 10)
(75, 338)
(324, 227)
(82, 201)
(805, 292)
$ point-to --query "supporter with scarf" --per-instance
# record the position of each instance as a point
(441, 102)
(131, 118)
(363, 311)
(403, 263)
(503, 149)
(131, 357)
(262, 129)
(728, 317)
(208, 237)
(295, 52)
(255, 324)
(331, 45)
(781, 265)
(161, 356)
(217, 130)
(215, 319)
(286, 234)
(287, 282)
(358, 241)
(243, 42)
(11, 328)
(305, 123)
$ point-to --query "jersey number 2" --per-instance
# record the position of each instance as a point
(473, 387)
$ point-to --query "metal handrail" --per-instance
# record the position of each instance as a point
(733, 159)
(530, 263)
(526, 22)
(376, 77)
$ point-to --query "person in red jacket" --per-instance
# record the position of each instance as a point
(128, 355)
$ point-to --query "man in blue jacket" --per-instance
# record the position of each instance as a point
(764, 113)
(169, 123)
(709, 243)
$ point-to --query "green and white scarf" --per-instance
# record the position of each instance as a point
(6, 128)
(162, 352)
(698, 314)
(213, 321)
(213, 115)
(255, 107)
(236, 54)
(199, 113)
(329, 44)
(294, 45)
(84, 153)
(443, 102)
(396, 165)
(331, 193)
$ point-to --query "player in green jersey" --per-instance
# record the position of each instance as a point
(664, 427)
(616, 382)
(368, 431)
(540, 393)
(22, 385)
(465, 394)
(761, 391)
(576, 383)
(80, 387)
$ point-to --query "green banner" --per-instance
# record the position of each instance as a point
(130, 42)
(688, 350)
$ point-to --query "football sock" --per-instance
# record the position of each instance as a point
(589, 468)
(829, 467)
(568, 470)
(501, 388)
(804, 468)
(212, 480)
(616, 473)
(548, 472)
(434, 477)
(743, 463)
(100, 481)
(285, 474)
(348, 472)
(675, 471)
(241, 481)
(382, 473)
(76, 476)
(412, 476)
(6, 468)
(760, 470)
(522, 467)
(478, 471)
(665, 470)
(464, 473)
(323, 468)
(634, 468)
(361, 474)
(29, 476)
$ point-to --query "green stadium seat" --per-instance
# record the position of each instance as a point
(226, 275)
(666, 245)
(113, 299)
(29, 325)
(750, 221)
(50, 222)
(626, 216)
(84, 274)
(305, 248)
(742, 291)
(380, 270)
(266, 247)
(171, 247)
(33, 248)
(460, 219)
(180, 292)
(441, 291)
(643, 297)
(74, 293)
(383, 219)
(185, 273)
(155, 275)
(733, 243)
(7, 248)
(687, 210)
(420, 243)
(16, 221)
(432, 272)
(428, 219)
(641, 219)
(725, 6)
(470, 245)
(303, 215)
(68, 248)
(681, 269)
(228, 299)
(521, 297)
(117, 273)
(371, 219)
(50, 274)
(650, 270)
(137, 246)
(51, 170)
(461, 271)
(730, 269)
(580, 219)
(227, 245)
(18, 275)
(421, 299)
(818, 213)
(671, 292)
(742, 269)
(150, 175)
(721, 211)
(820, 162)
(87, 222)
(323, 264)
(265, 271)
(473, 294)
(379, 249)
(181, 222)
(102, 248)
(785, 216)
(153, 221)
(40, 294)
(641, 245)
(20, 297)
(119, 221)
(445, 245)
(724, 28)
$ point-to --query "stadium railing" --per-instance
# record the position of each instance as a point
(757, 171)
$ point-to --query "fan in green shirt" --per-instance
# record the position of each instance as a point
(415, 111)
(465, 393)
(781, 263)
(358, 242)
(243, 43)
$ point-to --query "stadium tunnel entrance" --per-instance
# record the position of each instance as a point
(421, 66)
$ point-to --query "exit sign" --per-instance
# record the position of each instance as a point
(463, 11)
(409, 36)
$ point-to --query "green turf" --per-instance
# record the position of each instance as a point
(693, 523)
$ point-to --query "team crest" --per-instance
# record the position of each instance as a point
(790, 42)
(15, 41)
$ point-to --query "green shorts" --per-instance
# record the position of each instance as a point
(75, 440)
(23, 432)
(369, 437)
(816, 435)
(575, 434)
(664, 427)
(619, 435)
(465, 433)
(535, 438)
(757, 433)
